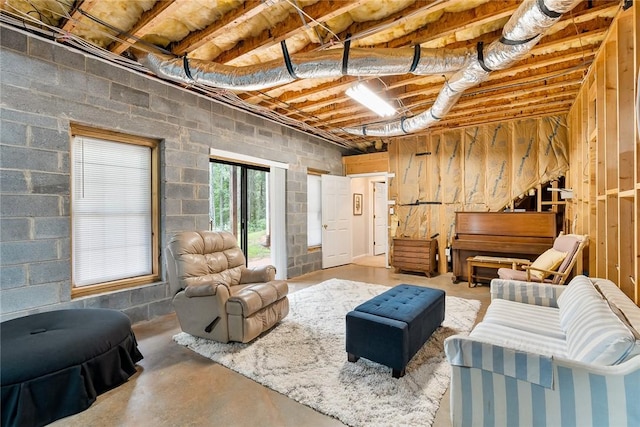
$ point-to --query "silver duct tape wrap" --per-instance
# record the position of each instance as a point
(523, 30)
(470, 76)
(527, 22)
(530, 20)
(445, 101)
(361, 62)
(500, 56)
(213, 74)
(526, 25)
(409, 125)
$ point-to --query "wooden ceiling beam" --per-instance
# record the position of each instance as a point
(292, 24)
(454, 22)
(524, 83)
(507, 95)
(562, 38)
(525, 114)
(76, 14)
(417, 10)
(330, 106)
(471, 106)
(501, 115)
(554, 43)
(231, 19)
(549, 109)
(160, 10)
(358, 29)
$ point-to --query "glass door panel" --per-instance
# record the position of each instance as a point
(239, 203)
(225, 198)
(258, 229)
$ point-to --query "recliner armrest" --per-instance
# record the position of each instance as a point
(262, 274)
(203, 290)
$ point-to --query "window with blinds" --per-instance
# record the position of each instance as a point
(112, 213)
(314, 211)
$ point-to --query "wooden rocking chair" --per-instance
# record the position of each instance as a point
(553, 266)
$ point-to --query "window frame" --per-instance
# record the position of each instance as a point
(318, 173)
(79, 130)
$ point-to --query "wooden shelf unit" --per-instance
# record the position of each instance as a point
(605, 157)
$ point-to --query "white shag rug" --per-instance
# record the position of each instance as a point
(304, 358)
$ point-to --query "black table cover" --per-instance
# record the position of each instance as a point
(54, 364)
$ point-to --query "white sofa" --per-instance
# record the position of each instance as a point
(549, 355)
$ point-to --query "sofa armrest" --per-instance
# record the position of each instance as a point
(465, 351)
(262, 274)
(581, 394)
(526, 292)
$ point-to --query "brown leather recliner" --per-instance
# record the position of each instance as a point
(220, 298)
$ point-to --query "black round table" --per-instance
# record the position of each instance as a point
(54, 364)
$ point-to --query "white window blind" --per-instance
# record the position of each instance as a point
(314, 210)
(111, 211)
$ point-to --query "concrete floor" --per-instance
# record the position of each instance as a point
(177, 387)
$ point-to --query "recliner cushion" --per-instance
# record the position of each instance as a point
(253, 298)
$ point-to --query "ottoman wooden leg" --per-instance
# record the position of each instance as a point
(352, 357)
(398, 373)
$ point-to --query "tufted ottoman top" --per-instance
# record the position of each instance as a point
(403, 302)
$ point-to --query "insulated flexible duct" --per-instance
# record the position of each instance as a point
(328, 63)
(471, 66)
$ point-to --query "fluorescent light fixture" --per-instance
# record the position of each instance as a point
(365, 96)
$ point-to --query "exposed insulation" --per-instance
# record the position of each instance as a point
(553, 157)
(396, 31)
(479, 168)
(475, 159)
(450, 167)
(190, 16)
(434, 181)
(478, 30)
(119, 13)
(524, 164)
(410, 172)
(373, 11)
(498, 177)
(49, 11)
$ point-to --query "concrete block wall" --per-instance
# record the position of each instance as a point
(44, 86)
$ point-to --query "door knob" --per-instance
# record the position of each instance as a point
(325, 226)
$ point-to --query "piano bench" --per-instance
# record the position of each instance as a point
(491, 262)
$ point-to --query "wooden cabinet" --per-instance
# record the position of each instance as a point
(415, 255)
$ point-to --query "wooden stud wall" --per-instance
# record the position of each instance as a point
(605, 157)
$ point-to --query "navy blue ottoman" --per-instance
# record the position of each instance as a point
(391, 327)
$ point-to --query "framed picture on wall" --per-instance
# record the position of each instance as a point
(357, 204)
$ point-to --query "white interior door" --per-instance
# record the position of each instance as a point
(336, 220)
(379, 218)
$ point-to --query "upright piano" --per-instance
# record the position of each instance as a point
(500, 234)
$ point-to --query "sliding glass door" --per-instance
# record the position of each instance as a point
(239, 203)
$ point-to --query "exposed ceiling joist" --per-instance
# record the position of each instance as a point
(247, 32)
